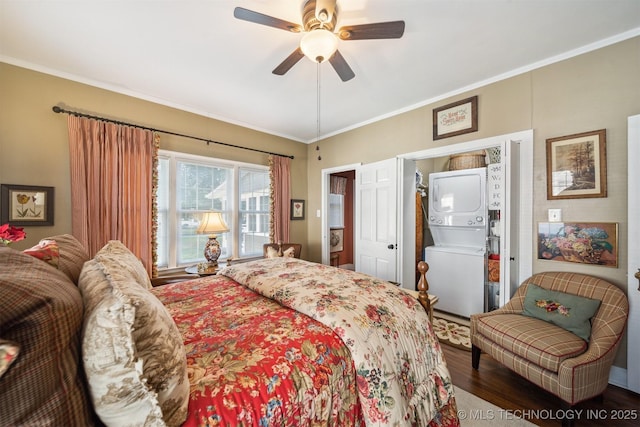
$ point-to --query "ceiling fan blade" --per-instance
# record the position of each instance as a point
(342, 68)
(379, 30)
(269, 21)
(291, 60)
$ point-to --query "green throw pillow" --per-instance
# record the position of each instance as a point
(570, 312)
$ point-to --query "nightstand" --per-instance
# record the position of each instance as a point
(193, 269)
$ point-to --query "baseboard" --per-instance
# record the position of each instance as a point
(618, 377)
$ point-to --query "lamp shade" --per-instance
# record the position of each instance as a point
(212, 223)
(319, 45)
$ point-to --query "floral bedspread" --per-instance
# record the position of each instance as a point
(253, 362)
(402, 378)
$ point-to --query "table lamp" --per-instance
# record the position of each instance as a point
(212, 223)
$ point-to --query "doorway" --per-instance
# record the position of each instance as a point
(326, 209)
(517, 217)
(521, 225)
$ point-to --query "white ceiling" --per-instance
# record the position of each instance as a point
(194, 55)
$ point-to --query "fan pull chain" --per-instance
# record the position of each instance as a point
(318, 109)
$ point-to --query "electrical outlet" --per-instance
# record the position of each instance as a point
(555, 215)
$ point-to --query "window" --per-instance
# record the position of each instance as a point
(190, 185)
(336, 211)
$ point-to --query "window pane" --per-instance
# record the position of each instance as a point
(254, 212)
(163, 206)
(336, 211)
(200, 188)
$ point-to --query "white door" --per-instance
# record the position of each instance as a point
(633, 285)
(376, 226)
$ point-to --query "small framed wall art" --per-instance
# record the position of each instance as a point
(577, 166)
(26, 205)
(456, 118)
(336, 240)
(297, 209)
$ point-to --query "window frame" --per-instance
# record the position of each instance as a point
(232, 214)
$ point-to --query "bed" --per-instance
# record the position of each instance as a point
(274, 342)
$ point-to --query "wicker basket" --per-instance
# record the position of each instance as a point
(474, 159)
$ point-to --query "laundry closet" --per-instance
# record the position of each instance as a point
(459, 202)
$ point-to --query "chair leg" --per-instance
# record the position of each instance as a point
(475, 357)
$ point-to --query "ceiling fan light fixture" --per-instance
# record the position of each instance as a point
(319, 45)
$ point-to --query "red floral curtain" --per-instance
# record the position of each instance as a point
(112, 186)
(279, 173)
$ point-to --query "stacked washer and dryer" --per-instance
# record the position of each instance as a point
(458, 218)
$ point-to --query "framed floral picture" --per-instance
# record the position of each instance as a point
(26, 205)
(297, 209)
(594, 243)
(336, 240)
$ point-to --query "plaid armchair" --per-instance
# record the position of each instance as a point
(547, 355)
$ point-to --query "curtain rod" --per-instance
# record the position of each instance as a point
(57, 109)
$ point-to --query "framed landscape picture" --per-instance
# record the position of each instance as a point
(577, 166)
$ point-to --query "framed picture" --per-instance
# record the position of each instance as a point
(297, 209)
(336, 240)
(594, 243)
(577, 166)
(26, 205)
(456, 118)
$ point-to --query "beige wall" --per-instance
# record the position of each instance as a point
(34, 148)
(596, 90)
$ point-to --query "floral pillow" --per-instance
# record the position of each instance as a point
(8, 354)
(272, 252)
(47, 251)
(289, 253)
(568, 311)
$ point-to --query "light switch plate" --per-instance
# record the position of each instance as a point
(555, 215)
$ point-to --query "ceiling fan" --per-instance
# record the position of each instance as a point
(320, 43)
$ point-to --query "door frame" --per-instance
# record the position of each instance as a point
(525, 217)
(525, 198)
(325, 186)
(633, 247)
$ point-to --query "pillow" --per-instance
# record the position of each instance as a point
(570, 312)
(289, 253)
(133, 353)
(47, 251)
(272, 252)
(120, 261)
(8, 354)
(72, 255)
(41, 310)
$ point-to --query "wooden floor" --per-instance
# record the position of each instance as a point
(503, 388)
